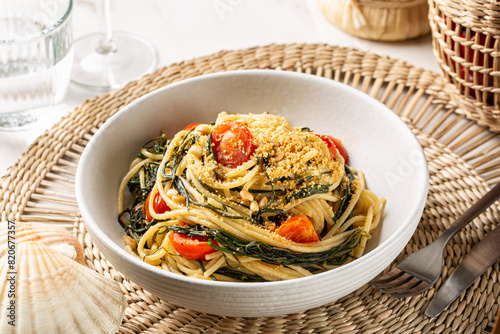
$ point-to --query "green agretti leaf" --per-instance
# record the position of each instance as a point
(280, 256)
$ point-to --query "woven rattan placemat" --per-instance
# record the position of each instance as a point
(464, 159)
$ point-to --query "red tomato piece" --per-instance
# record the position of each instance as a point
(470, 58)
(232, 143)
(194, 248)
(480, 79)
(483, 60)
(191, 126)
(472, 51)
(334, 145)
(159, 206)
(298, 229)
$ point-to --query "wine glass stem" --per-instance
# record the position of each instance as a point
(106, 45)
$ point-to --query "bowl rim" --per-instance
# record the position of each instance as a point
(101, 237)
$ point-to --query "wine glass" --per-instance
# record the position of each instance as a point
(108, 59)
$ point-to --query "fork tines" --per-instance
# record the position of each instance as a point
(399, 284)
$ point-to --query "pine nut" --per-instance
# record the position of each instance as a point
(279, 156)
(129, 241)
(179, 199)
(254, 206)
(172, 192)
(246, 195)
(263, 202)
(204, 129)
(196, 151)
(274, 142)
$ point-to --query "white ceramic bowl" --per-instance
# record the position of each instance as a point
(378, 142)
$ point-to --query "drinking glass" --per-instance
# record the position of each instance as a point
(35, 59)
(108, 59)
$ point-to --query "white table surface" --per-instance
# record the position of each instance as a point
(188, 29)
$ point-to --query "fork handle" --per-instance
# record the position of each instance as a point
(488, 199)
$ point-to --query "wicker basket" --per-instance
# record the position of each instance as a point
(465, 36)
(380, 20)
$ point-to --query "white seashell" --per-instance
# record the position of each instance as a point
(48, 234)
(66, 250)
(54, 294)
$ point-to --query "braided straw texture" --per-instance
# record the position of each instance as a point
(465, 36)
(380, 20)
(464, 159)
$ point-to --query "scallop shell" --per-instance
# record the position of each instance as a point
(54, 294)
(57, 237)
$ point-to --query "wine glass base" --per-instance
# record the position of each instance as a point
(133, 57)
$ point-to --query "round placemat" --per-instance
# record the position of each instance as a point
(464, 160)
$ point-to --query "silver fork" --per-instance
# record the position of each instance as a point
(421, 270)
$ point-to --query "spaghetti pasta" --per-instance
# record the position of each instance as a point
(246, 198)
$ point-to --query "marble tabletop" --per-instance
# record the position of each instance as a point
(187, 29)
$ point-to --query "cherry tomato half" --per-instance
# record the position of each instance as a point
(159, 206)
(298, 229)
(232, 143)
(333, 145)
(194, 248)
